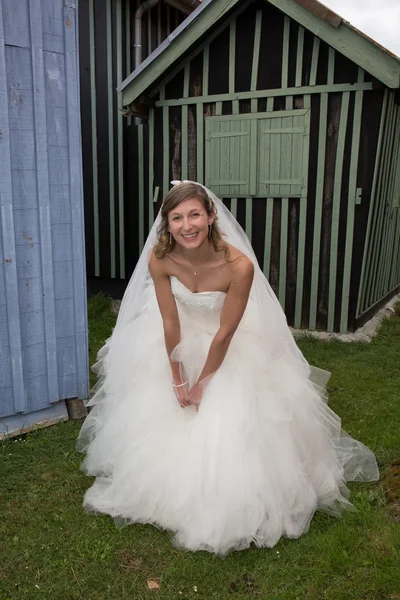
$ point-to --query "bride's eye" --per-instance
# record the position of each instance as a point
(176, 218)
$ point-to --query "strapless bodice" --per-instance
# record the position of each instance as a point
(209, 302)
(203, 307)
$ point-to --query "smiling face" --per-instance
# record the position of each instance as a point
(188, 223)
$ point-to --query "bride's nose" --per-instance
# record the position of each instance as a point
(186, 226)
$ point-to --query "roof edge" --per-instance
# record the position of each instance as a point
(341, 35)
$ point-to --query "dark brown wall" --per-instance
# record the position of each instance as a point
(270, 77)
(129, 131)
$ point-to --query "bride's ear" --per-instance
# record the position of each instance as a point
(211, 218)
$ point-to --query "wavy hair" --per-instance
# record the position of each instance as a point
(179, 193)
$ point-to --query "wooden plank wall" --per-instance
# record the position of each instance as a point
(380, 275)
(112, 143)
(308, 247)
(43, 324)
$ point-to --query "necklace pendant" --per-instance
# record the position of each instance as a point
(195, 273)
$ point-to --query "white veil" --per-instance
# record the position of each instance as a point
(272, 319)
(274, 334)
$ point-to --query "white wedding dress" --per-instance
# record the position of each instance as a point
(262, 454)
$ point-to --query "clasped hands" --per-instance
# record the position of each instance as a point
(188, 397)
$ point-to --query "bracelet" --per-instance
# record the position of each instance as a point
(180, 385)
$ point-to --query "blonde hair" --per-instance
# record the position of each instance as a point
(179, 193)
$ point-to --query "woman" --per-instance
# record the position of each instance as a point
(207, 419)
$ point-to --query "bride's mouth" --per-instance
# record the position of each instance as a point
(190, 236)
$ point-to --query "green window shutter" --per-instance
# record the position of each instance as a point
(259, 154)
(228, 164)
(283, 143)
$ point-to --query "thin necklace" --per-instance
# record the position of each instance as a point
(202, 262)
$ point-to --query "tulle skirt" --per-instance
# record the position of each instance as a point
(261, 455)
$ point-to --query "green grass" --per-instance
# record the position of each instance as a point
(51, 549)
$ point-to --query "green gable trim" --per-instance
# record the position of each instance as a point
(208, 16)
(349, 41)
(345, 39)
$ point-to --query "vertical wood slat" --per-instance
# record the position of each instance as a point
(128, 46)
(392, 203)
(314, 60)
(110, 102)
(232, 55)
(141, 186)
(43, 192)
(319, 191)
(224, 152)
(256, 53)
(200, 118)
(158, 23)
(206, 65)
(388, 221)
(391, 221)
(302, 232)
(165, 114)
(253, 108)
(200, 143)
(184, 130)
(337, 188)
(385, 204)
(76, 200)
(92, 59)
(379, 237)
(284, 230)
(234, 207)
(168, 19)
(149, 19)
(283, 251)
(151, 166)
(351, 206)
(232, 63)
(299, 58)
(268, 236)
(393, 281)
(249, 218)
(331, 66)
(7, 227)
(121, 208)
(285, 52)
(380, 208)
(372, 209)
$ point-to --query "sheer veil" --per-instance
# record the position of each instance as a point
(274, 336)
(275, 331)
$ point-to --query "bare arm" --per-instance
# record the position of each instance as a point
(232, 312)
(168, 310)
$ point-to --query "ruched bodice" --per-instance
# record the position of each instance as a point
(203, 308)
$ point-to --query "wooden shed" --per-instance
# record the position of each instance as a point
(292, 116)
(43, 324)
(107, 47)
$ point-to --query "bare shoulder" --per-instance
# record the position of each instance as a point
(242, 268)
(157, 266)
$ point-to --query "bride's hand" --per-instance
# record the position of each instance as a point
(181, 390)
(196, 394)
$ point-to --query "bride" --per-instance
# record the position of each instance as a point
(207, 420)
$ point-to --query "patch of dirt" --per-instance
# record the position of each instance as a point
(130, 564)
(244, 585)
(391, 484)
